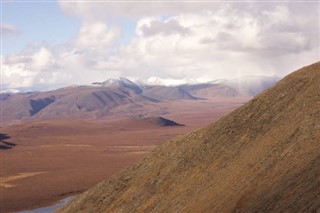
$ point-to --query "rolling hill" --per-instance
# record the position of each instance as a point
(83, 102)
(262, 157)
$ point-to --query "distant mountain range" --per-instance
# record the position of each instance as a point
(115, 97)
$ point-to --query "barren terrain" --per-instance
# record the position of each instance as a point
(52, 159)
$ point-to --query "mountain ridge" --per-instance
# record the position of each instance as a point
(105, 99)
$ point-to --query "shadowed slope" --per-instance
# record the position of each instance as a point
(167, 93)
(160, 121)
(264, 156)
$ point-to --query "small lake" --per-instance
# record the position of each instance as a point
(51, 208)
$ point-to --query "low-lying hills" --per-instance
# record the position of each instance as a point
(262, 157)
(114, 98)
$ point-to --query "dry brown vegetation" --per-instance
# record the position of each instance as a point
(263, 157)
(74, 155)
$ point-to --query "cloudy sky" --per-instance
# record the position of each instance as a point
(49, 44)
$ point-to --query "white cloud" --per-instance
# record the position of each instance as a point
(41, 60)
(45, 68)
(96, 35)
(16, 76)
(134, 10)
(173, 41)
(219, 46)
(23, 71)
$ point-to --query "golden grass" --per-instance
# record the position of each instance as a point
(5, 181)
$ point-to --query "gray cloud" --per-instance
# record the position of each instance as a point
(7, 29)
(165, 28)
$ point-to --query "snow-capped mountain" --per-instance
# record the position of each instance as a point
(169, 82)
(246, 85)
(165, 81)
(119, 82)
(12, 91)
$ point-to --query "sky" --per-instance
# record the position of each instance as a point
(51, 44)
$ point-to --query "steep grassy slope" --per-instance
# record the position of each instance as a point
(264, 156)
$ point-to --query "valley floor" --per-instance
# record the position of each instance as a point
(46, 161)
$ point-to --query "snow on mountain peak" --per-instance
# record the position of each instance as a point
(157, 81)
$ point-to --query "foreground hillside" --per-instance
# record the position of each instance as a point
(264, 156)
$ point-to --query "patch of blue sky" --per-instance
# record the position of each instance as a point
(36, 22)
(128, 28)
